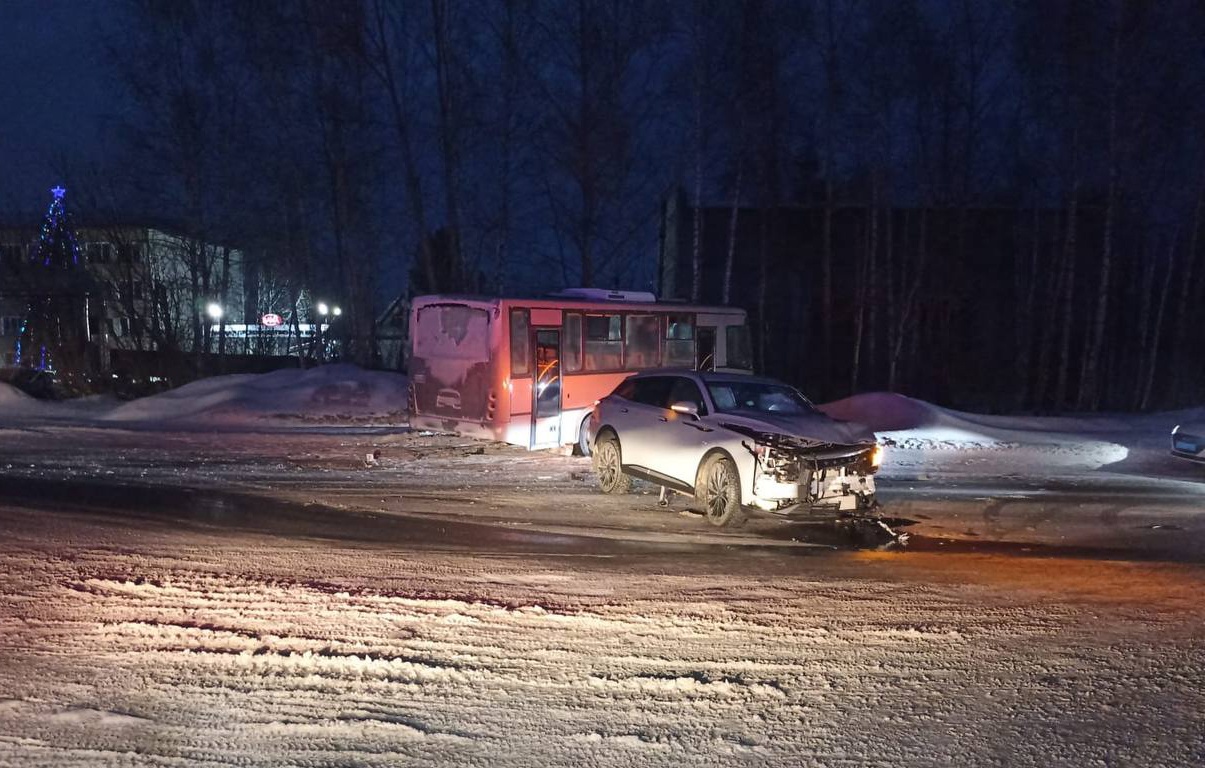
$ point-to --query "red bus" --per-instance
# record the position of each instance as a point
(528, 371)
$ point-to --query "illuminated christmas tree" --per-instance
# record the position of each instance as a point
(54, 332)
(57, 246)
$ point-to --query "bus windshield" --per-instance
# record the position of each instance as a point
(758, 397)
(452, 331)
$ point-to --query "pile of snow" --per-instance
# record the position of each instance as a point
(12, 399)
(907, 423)
(326, 394)
(904, 423)
(903, 419)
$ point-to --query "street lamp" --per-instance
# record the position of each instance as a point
(214, 310)
(323, 309)
(336, 311)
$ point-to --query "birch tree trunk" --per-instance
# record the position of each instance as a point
(1024, 279)
(872, 279)
(1089, 390)
(826, 281)
(763, 262)
(1048, 328)
(224, 293)
(449, 137)
(696, 253)
(861, 292)
(910, 310)
(382, 65)
(1153, 360)
(1181, 354)
(733, 220)
(1065, 300)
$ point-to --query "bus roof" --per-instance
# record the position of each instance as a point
(554, 302)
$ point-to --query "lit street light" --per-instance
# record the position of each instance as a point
(215, 310)
(323, 309)
(336, 311)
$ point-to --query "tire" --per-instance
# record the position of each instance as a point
(608, 465)
(583, 442)
(718, 491)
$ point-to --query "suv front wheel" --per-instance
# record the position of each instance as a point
(718, 490)
(609, 467)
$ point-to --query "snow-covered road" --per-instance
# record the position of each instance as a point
(129, 640)
(955, 498)
(270, 596)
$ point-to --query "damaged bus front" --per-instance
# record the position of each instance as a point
(452, 379)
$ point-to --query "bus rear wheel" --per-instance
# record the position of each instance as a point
(583, 438)
(609, 467)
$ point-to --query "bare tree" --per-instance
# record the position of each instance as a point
(599, 85)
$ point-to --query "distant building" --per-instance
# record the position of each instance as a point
(151, 289)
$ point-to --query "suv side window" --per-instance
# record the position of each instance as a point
(685, 390)
(652, 391)
(626, 390)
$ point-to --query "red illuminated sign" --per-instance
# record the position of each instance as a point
(271, 320)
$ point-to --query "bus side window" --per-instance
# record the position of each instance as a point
(571, 344)
(520, 343)
(641, 349)
(604, 343)
(679, 341)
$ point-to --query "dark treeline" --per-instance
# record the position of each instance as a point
(528, 144)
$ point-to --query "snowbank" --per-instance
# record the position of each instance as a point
(13, 399)
(331, 393)
(1092, 441)
(903, 418)
(904, 422)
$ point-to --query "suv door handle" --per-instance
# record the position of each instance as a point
(623, 410)
(662, 418)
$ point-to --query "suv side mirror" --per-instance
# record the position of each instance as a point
(686, 408)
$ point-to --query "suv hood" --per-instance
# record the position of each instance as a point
(813, 427)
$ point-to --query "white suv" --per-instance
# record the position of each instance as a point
(736, 443)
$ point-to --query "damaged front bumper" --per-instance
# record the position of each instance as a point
(803, 479)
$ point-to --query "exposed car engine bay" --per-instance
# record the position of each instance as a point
(795, 474)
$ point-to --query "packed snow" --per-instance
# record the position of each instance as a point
(344, 394)
(141, 642)
(919, 433)
(330, 394)
(282, 573)
(13, 398)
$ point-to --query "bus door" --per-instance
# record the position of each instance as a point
(546, 394)
(705, 341)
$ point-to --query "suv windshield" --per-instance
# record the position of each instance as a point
(759, 396)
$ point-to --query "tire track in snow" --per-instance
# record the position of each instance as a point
(228, 649)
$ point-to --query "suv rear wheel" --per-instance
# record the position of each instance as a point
(719, 491)
(609, 467)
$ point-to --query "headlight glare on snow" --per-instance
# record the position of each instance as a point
(876, 456)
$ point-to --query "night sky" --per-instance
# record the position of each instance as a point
(383, 146)
(55, 94)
